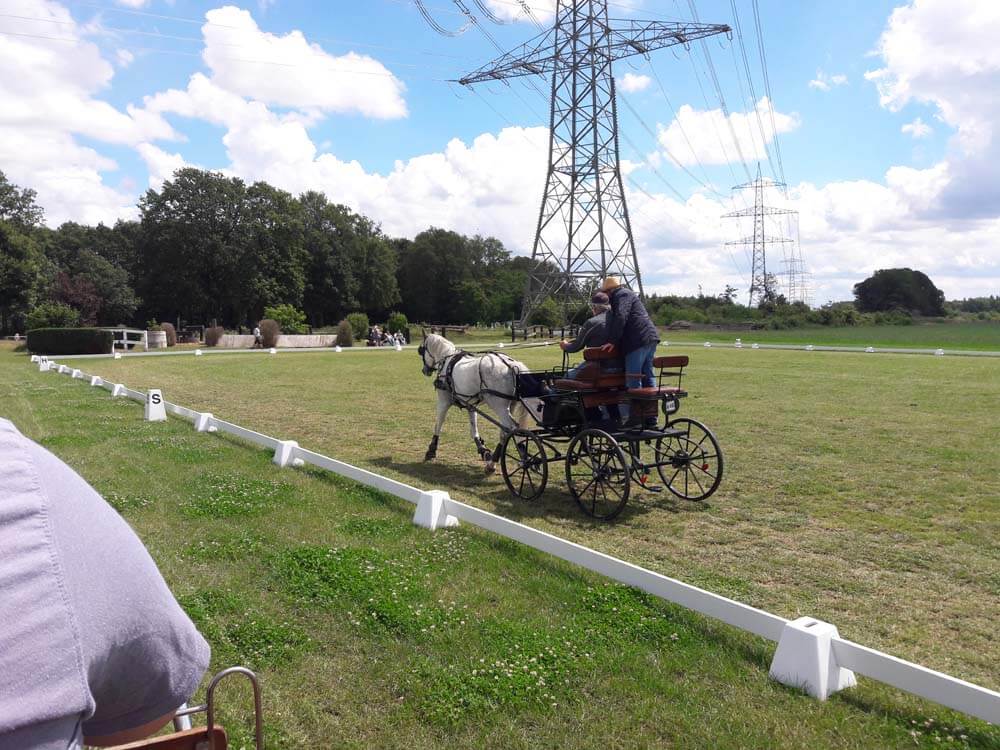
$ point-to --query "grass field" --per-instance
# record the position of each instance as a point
(861, 490)
(984, 336)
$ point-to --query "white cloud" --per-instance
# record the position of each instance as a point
(133, 3)
(918, 128)
(290, 71)
(631, 82)
(695, 135)
(824, 82)
(124, 58)
(49, 91)
(944, 53)
(511, 10)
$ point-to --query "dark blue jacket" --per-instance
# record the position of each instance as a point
(629, 325)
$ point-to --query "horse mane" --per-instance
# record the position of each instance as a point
(439, 347)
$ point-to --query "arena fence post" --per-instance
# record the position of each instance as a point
(805, 659)
(284, 454)
(432, 510)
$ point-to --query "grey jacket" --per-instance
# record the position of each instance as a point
(592, 333)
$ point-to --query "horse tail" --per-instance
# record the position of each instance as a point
(521, 415)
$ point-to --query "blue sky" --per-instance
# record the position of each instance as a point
(118, 94)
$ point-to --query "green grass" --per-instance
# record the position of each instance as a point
(370, 632)
(981, 336)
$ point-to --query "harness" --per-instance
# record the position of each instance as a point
(445, 380)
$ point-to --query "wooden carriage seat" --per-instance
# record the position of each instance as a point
(604, 388)
(188, 739)
(670, 367)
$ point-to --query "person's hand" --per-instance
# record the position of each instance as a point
(563, 344)
(607, 347)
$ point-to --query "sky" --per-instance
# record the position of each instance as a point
(885, 115)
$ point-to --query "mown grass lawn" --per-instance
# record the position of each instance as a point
(372, 633)
(980, 335)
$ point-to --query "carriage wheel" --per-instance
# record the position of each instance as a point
(689, 464)
(524, 465)
(598, 474)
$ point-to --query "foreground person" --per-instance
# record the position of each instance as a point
(94, 648)
(631, 329)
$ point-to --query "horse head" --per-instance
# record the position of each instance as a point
(434, 351)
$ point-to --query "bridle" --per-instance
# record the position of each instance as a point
(428, 369)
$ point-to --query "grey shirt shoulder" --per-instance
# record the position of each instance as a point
(593, 332)
(98, 641)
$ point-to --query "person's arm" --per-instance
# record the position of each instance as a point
(129, 735)
(620, 306)
(581, 339)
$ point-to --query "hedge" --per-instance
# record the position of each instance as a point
(69, 341)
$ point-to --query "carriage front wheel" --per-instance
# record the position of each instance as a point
(523, 464)
(689, 459)
(598, 474)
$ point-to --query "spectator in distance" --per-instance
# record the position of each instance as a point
(94, 649)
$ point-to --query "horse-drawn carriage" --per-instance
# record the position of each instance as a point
(572, 420)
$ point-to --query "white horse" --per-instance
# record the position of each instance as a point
(468, 381)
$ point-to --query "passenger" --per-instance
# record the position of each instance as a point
(96, 649)
(632, 331)
(592, 333)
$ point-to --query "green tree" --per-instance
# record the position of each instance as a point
(331, 288)
(288, 318)
(18, 206)
(899, 289)
(19, 276)
(52, 315)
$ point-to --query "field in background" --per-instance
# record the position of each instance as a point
(859, 489)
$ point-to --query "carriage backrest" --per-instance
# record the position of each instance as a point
(596, 354)
(667, 362)
(191, 739)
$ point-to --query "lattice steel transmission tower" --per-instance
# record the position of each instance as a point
(583, 232)
(761, 282)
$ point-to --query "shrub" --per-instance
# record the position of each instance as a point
(397, 322)
(52, 315)
(359, 325)
(269, 332)
(345, 334)
(213, 334)
(69, 341)
(152, 325)
(290, 319)
(171, 333)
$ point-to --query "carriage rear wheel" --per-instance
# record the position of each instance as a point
(689, 462)
(524, 465)
(598, 474)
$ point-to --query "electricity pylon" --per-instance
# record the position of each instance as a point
(761, 283)
(583, 232)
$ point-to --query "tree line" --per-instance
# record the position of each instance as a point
(208, 248)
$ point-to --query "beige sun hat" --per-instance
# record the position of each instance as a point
(611, 282)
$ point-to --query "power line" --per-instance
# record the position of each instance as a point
(767, 86)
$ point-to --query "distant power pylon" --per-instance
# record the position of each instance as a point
(583, 232)
(762, 283)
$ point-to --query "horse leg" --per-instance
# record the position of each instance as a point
(484, 452)
(444, 403)
(501, 407)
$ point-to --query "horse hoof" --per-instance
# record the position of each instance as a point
(490, 468)
(429, 457)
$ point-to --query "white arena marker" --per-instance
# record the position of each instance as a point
(399, 347)
(272, 350)
(337, 348)
(708, 344)
(118, 355)
(432, 511)
(755, 346)
(939, 353)
(805, 659)
(203, 423)
(155, 410)
(43, 365)
(809, 347)
(76, 374)
(61, 369)
(197, 352)
(285, 452)
(118, 390)
(870, 350)
(501, 345)
(34, 358)
(96, 380)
